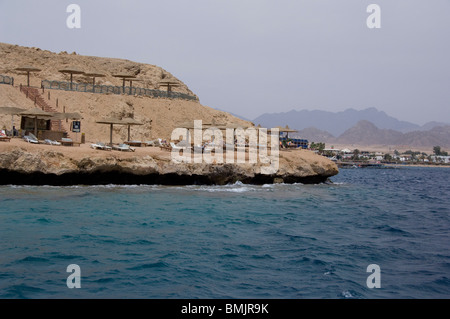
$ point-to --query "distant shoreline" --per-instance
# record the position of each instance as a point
(415, 165)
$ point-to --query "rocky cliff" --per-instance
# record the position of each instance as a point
(19, 166)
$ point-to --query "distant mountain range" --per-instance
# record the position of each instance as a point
(365, 127)
(337, 123)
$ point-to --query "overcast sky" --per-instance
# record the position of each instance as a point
(256, 56)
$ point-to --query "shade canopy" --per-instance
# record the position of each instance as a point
(28, 69)
(190, 125)
(124, 77)
(286, 129)
(129, 121)
(36, 112)
(233, 126)
(169, 83)
(94, 75)
(112, 121)
(71, 71)
(11, 110)
(69, 116)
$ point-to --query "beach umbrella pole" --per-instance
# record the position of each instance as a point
(110, 135)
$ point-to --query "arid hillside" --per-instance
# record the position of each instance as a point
(159, 115)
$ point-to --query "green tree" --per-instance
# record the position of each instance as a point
(437, 150)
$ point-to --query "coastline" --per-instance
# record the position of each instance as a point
(22, 163)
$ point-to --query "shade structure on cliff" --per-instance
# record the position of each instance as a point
(115, 121)
(190, 125)
(286, 130)
(69, 116)
(11, 110)
(124, 77)
(129, 121)
(28, 69)
(169, 83)
(36, 113)
(71, 71)
(94, 75)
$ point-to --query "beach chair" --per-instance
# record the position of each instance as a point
(123, 148)
(101, 146)
(51, 142)
(176, 147)
(4, 137)
(68, 142)
(157, 142)
(134, 143)
(30, 138)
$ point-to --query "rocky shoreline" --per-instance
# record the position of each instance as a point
(53, 166)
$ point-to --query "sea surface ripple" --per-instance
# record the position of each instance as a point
(233, 241)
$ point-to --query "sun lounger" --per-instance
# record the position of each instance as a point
(176, 147)
(51, 142)
(31, 139)
(135, 143)
(4, 137)
(101, 146)
(68, 142)
(157, 142)
(123, 148)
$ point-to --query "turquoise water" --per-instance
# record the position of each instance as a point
(234, 241)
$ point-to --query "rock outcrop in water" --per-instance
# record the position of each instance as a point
(19, 166)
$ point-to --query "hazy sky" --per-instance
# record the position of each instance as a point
(255, 56)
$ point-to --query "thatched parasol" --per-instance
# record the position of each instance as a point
(129, 121)
(169, 83)
(111, 121)
(28, 69)
(11, 110)
(94, 75)
(286, 129)
(71, 71)
(124, 77)
(69, 116)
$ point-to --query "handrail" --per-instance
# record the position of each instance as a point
(110, 89)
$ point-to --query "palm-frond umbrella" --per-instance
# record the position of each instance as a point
(11, 110)
(169, 83)
(94, 75)
(129, 121)
(124, 77)
(71, 71)
(28, 69)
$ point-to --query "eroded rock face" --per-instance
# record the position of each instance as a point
(49, 167)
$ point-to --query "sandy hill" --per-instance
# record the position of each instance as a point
(160, 116)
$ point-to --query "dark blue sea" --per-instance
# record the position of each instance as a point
(235, 241)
